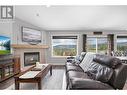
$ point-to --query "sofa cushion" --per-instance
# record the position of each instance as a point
(100, 72)
(76, 74)
(87, 61)
(74, 68)
(81, 83)
(71, 64)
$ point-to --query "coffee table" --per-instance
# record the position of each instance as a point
(36, 79)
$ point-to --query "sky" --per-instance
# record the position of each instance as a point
(92, 40)
(122, 40)
(64, 42)
(3, 38)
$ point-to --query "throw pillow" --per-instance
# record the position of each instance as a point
(87, 60)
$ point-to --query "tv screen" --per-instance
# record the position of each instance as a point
(4, 45)
(31, 35)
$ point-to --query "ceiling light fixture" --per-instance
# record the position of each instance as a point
(48, 5)
(37, 14)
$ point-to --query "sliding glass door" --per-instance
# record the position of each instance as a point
(97, 44)
(91, 44)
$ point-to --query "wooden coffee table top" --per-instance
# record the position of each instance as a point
(40, 74)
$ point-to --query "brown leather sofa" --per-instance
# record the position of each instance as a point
(104, 72)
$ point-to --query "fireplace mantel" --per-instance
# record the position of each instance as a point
(26, 46)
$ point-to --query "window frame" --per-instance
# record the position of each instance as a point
(63, 35)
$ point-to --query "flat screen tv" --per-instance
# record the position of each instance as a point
(4, 45)
(32, 36)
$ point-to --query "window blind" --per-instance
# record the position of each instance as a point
(121, 36)
(64, 37)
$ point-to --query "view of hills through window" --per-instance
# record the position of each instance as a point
(122, 43)
(97, 44)
(64, 47)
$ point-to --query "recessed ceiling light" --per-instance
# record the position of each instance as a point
(48, 5)
(37, 14)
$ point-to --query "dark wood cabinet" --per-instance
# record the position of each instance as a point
(9, 66)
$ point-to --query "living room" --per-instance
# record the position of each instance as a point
(54, 36)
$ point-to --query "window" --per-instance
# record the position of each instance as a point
(121, 43)
(91, 44)
(97, 44)
(64, 45)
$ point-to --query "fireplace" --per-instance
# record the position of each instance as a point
(30, 58)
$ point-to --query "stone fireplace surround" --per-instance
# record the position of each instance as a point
(19, 50)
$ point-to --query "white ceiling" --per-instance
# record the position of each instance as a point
(74, 17)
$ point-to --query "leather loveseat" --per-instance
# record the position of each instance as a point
(96, 71)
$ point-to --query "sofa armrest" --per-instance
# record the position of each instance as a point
(80, 83)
